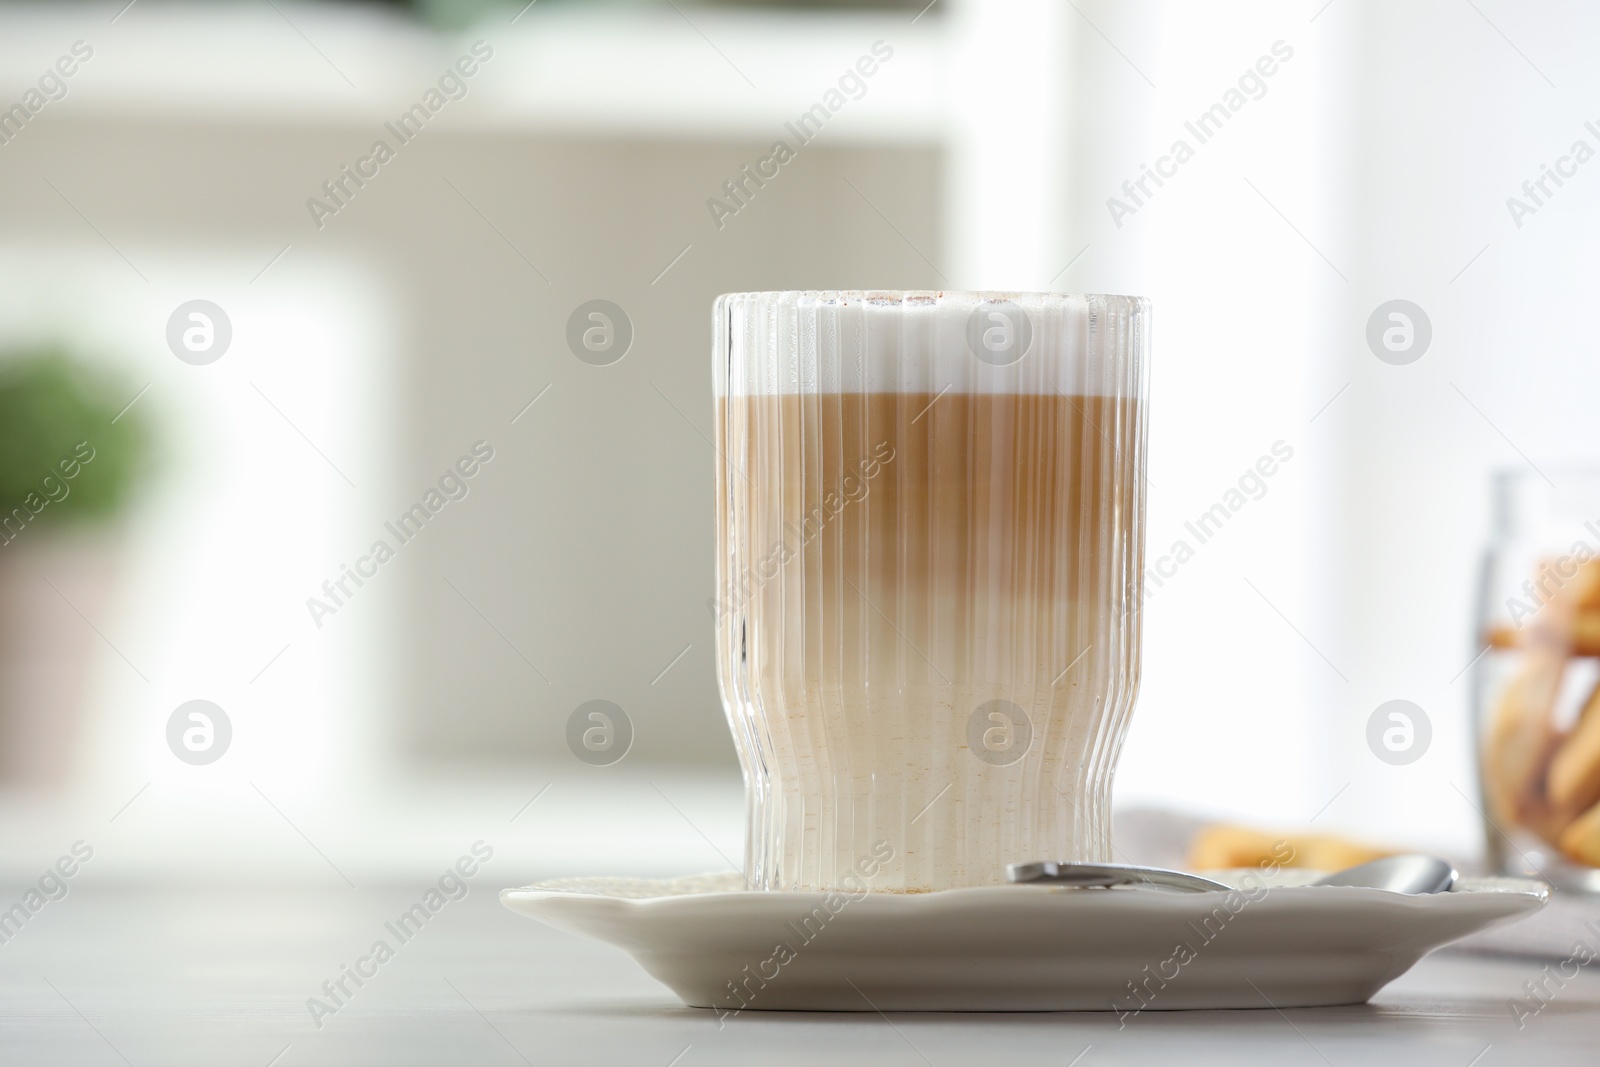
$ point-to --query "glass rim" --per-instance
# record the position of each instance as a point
(1526, 472)
(928, 296)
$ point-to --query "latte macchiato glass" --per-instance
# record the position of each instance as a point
(929, 554)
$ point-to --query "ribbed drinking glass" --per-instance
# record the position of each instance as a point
(929, 555)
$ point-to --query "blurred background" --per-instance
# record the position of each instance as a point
(361, 335)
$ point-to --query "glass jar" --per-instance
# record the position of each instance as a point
(1536, 683)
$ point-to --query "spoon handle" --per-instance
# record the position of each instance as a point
(1050, 872)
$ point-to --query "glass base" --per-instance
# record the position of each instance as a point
(920, 838)
(1535, 859)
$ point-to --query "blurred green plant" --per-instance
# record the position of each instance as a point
(53, 414)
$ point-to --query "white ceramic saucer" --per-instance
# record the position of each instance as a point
(1022, 947)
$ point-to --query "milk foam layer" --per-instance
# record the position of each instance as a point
(925, 341)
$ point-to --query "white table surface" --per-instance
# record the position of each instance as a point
(117, 974)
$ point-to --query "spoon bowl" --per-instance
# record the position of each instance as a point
(1413, 874)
